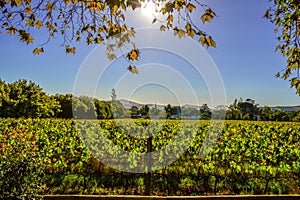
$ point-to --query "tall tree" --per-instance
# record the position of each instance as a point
(113, 95)
(144, 111)
(65, 102)
(205, 112)
(248, 108)
(26, 99)
(266, 113)
(234, 111)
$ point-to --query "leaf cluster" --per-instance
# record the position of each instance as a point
(285, 14)
(98, 22)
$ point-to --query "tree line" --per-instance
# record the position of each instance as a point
(26, 99)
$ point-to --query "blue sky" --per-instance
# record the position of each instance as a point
(244, 56)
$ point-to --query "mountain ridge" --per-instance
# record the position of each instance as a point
(129, 103)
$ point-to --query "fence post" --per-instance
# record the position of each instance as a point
(149, 165)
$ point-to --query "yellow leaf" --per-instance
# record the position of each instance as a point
(99, 7)
(213, 43)
(111, 56)
(205, 18)
(202, 40)
(12, 30)
(162, 28)
(133, 69)
(38, 24)
(133, 54)
(110, 48)
(4, 25)
(38, 51)
(28, 10)
(191, 7)
(60, 16)
(29, 39)
(10, 16)
(181, 33)
(208, 16)
(114, 10)
(131, 32)
(91, 6)
(19, 2)
(67, 2)
(191, 33)
(49, 6)
(73, 50)
(170, 18)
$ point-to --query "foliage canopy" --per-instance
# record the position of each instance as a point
(96, 22)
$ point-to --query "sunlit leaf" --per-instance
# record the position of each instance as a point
(133, 69)
(38, 51)
(49, 6)
(38, 24)
(133, 54)
(28, 10)
(162, 28)
(111, 56)
(191, 7)
(4, 25)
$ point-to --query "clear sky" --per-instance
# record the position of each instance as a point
(244, 57)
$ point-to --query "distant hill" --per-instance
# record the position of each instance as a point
(128, 104)
(286, 108)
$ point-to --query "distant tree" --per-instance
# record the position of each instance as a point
(176, 112)
(168, 110)
(103, 109)
(281, 115)
(296, 117)
(26, 99)
(173, 112)
(205, 112)
(266, 113)
(113, 95)
(162, 115)
(118, 110)
(249, 109)
(144, 111)
(65, 102)
(219, 112)
(134, 112)
(189, 112)
(234, 111)
(84, 107)
(154, 111)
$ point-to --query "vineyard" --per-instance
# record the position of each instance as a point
(55, 156)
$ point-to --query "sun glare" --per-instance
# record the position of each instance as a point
(148, 9)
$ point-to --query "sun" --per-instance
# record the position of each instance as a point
(148, 9)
